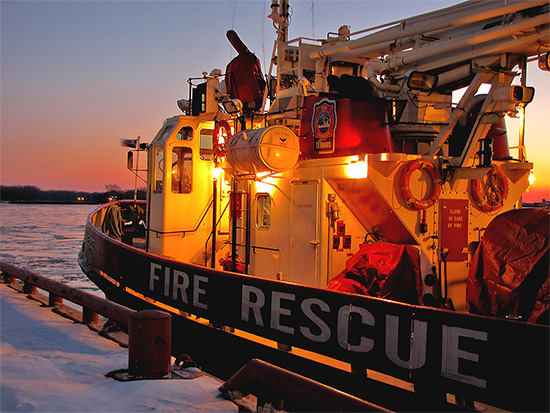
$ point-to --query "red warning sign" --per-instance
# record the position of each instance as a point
(454, 228)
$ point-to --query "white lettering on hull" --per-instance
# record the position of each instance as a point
(255, 306)
(177, 283)
(451, 353)
(325, 334)
(282, 313)
(344, 317)
(277, 310)
(419, 334)
(253, 301)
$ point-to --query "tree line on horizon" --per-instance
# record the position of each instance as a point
(35, 194)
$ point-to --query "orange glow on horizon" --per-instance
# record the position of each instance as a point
(65, 109)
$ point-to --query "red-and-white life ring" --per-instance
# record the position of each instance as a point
(410, 200)
(220, 149)
(490, 196)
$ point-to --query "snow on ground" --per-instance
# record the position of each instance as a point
(50, 364)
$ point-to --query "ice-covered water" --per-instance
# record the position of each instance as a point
(45, 239)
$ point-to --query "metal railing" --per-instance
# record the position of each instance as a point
(92, 305)
(286, 390)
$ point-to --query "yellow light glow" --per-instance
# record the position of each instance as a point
(384, 156)
(358, 169)
(531, 178)
(216, 173)
(261, 175)
(266, 185)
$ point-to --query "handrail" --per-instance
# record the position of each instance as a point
(89, 302)
(287, 390)
(184, 231)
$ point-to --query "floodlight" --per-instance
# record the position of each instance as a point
(424, 82)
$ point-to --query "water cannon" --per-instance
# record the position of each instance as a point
(544, 63)
(508, 98)
(514, 94)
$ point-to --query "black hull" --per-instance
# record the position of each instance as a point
(484, 359)
(111, 291)
(222, 354)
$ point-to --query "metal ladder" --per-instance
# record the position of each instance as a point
(240, 223)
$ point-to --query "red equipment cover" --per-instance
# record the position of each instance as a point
(510, 271)
(382, 270)
(243, 78)
(361, 127)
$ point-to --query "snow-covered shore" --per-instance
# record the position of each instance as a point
(50, 364)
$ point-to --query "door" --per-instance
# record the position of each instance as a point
(304, 237)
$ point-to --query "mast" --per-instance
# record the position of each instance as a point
(280, 16)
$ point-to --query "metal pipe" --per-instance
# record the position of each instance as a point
(513, 45)
(109, 309)
(405, 28)
(407, 58)
(453, 75)
(273, 384)
(214, 221)
(137, 167)
(372, 73)
(248, 223)
(521, 139)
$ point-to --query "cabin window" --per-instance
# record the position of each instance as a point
(206, 148)
(263, 212)
(185, 134)
(165, 133)
(159, 168)
(182, 170)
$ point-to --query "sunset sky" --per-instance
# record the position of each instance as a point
(78, 76)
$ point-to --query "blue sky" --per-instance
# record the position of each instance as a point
(76, 76)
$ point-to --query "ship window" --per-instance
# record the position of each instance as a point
(185, 134)
(206, 149)
(159, 168)
(182, 170)
(165, 133)
(263, 212)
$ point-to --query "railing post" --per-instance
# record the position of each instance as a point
(89, 316)
(8, 279)
(54, 300)
(149, 344)
(28, 288)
